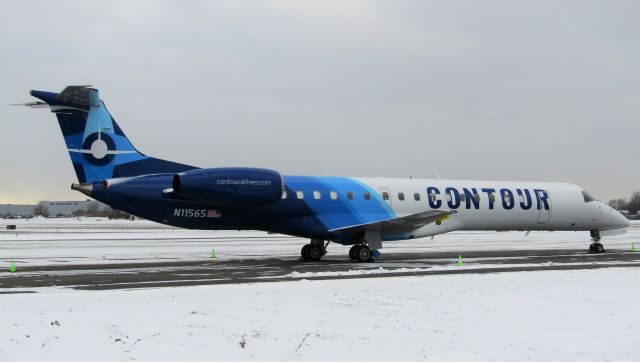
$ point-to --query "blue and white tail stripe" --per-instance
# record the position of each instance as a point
(101, 149)
(97, 146)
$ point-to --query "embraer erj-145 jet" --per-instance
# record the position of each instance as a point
(363, 212)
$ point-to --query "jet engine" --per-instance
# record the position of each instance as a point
(230, 186)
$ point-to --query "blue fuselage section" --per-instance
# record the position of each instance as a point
(311, 207)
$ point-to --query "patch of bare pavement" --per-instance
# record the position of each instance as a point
(236, 271)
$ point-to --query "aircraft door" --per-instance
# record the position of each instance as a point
(544, 215)
(386, 195)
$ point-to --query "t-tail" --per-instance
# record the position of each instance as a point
(98, 148)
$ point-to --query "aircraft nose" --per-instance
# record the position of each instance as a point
(619, 220)
(624, 222)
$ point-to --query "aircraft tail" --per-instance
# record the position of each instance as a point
(97, 146)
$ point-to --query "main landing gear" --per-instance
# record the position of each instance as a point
(360, 252)
(596, 247)
(317, 248)
(314, 250)
(371, 242)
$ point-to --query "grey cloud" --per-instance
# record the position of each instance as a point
(491, 90)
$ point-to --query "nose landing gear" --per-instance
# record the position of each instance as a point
(596, 247)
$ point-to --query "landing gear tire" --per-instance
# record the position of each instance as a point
(364, 254)
(352, 252)
(314, 252)
(360, 253)
(596, 248)
(304, 252)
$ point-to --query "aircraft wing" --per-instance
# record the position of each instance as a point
(400, 224)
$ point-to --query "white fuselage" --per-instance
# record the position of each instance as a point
(499, 205)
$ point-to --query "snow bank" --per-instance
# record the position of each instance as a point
(552, 315)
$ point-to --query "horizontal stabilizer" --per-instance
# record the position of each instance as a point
(400, 224)
(36, 104)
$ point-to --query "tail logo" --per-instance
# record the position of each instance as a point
(98, 149)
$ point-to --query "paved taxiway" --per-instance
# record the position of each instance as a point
(199, 272)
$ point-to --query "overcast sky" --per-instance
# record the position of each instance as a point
(542, 91)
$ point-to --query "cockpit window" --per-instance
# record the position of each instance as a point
(587, 197)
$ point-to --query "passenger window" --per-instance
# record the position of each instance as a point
(333, 195)
(463, 198)
(587, 197)
(284, 195)
(385, 196)
(300, 195)
(492, 197)
(316, 195)
(448, 196)
(367, 196)
(416, 196)
(350, 195)
(432, 196)
(401, 196)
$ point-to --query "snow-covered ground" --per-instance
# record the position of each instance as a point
(89, 240)
(587, 315)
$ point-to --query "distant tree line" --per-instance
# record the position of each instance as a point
(92, 209)
(633, 205)
(41, 209)
(107, 213)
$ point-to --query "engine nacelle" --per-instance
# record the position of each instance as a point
(230, 186)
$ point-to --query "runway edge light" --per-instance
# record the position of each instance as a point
(633, 247)
(12, 268)
(460, 263)
(213, 253)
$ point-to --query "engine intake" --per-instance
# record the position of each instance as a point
(230, 186)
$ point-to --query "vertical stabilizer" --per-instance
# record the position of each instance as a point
(97, 146)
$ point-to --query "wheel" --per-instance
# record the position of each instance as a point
(314, 252)
(353, 252)
(364, 253)
(305, 252)
(592, 248)
(599, 248)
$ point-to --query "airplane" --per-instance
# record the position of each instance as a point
(361, 212)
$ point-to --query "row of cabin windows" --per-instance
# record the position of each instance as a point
(332, 195)
(385, 196)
